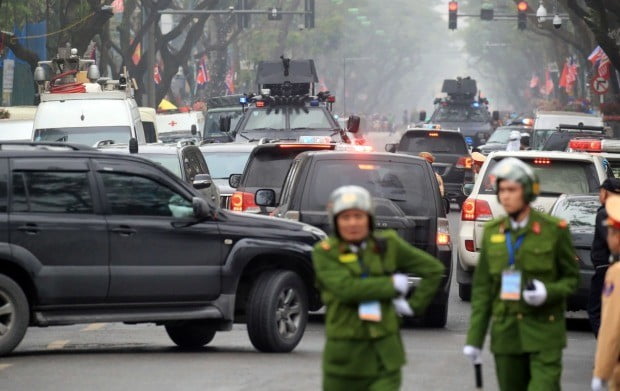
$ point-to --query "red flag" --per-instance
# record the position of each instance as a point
(564, 76)
(547, 89)
(156, 75)
(534, 81)
(230, 84)
(201, 76)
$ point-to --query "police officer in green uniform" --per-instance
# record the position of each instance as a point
(527, 269)
(360, 274)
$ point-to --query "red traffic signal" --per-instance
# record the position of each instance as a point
(522, 6)
(453, 6)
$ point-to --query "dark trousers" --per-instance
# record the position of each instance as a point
(594, 300)
(539, 371)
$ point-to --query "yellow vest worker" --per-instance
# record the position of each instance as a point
(607, 363)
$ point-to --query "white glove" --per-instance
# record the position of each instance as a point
(402, 306)
(473, 353)
(598, 384)
(401, 283)
(538, 296)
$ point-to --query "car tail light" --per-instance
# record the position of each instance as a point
(240, 201)
(469, 246)
(542, 161)
(464, 162)
(476, 210)
(443, 232)
(586, 145)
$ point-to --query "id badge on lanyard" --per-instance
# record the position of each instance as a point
(369, 311)
(511, 278)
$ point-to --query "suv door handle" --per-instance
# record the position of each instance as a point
(124, 230)
(29, 229)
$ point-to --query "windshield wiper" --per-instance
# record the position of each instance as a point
(260, 129)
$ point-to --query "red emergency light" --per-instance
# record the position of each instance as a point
(260, 103)
(590, 145)
(522, 6)
(331, 99)
(542, 161)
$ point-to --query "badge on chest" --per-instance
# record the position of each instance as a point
(511, 285)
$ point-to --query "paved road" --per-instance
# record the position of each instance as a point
(120, 357)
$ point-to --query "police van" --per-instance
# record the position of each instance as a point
(78, 106)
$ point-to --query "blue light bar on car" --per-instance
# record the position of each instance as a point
(314, 103)
(243, 100)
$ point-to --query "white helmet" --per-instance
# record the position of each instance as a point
(347, 198)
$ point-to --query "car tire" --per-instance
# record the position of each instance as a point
(190, 334)
(465, 292)
(437, 315)
(277, 311)
(14, 315)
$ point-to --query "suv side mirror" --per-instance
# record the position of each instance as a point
(468, 188)
(265, 198)
(234, 180)
(202, 181)
(133, 145)
(495, 115)
(194, 130)
(225, 122)
(353, 124)
(201, 208)
(422, 116)
(390, 148)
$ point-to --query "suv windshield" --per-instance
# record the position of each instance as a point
(395, 186)
(500, 136)
(223, 164)
(434, 142)
(212, 122)
(299, 119)
(90, 135)
(170, 161)
(268, 168)
(453, 113)
(581, 212)
(556, 176)
(313, 119)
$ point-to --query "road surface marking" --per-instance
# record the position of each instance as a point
(94, 327)
(57, 344)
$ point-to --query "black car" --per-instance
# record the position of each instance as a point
(580, 212)
(93, 237)
(405, 193)
(266, 168)
(452, 159)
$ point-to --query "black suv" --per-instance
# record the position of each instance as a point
(406, 197)
(266, 168)
(452, 159)
(95, 237)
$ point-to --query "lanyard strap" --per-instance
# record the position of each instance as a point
(363, 266)
(512, 249)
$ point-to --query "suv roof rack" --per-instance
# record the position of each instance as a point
(581, 127)
(50, 146)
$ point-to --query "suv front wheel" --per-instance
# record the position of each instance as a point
(190, 334)
(277, 311)
(14, 314)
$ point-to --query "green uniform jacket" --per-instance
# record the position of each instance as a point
(547, 255)
(352, 343)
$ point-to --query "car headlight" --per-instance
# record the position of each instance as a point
(314, 231)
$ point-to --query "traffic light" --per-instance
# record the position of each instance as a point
(522, 16)
(453, 9)
(309, 16)
(243, 20)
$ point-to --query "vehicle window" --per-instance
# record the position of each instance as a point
(288, 186)
(461, 114)
(265, 119)
(580, 213)
(500, 136)
(400, 185)
(89, 135)
(170, 161)
(540, 136)
(313, 119)
(140, 196)
(268, 169)
(192, 165)
(51, 192)
(149, 132)
(556, 177)
(435, 142)
(615, 167)
(223, 164)
(212, 122)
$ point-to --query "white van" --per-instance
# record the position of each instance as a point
(547, 122)
(89, 118)
(15, 130)
(172, 127)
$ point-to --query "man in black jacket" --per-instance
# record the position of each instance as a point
(600, 254)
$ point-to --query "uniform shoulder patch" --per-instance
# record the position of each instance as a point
(563, 224)
(325, 245)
